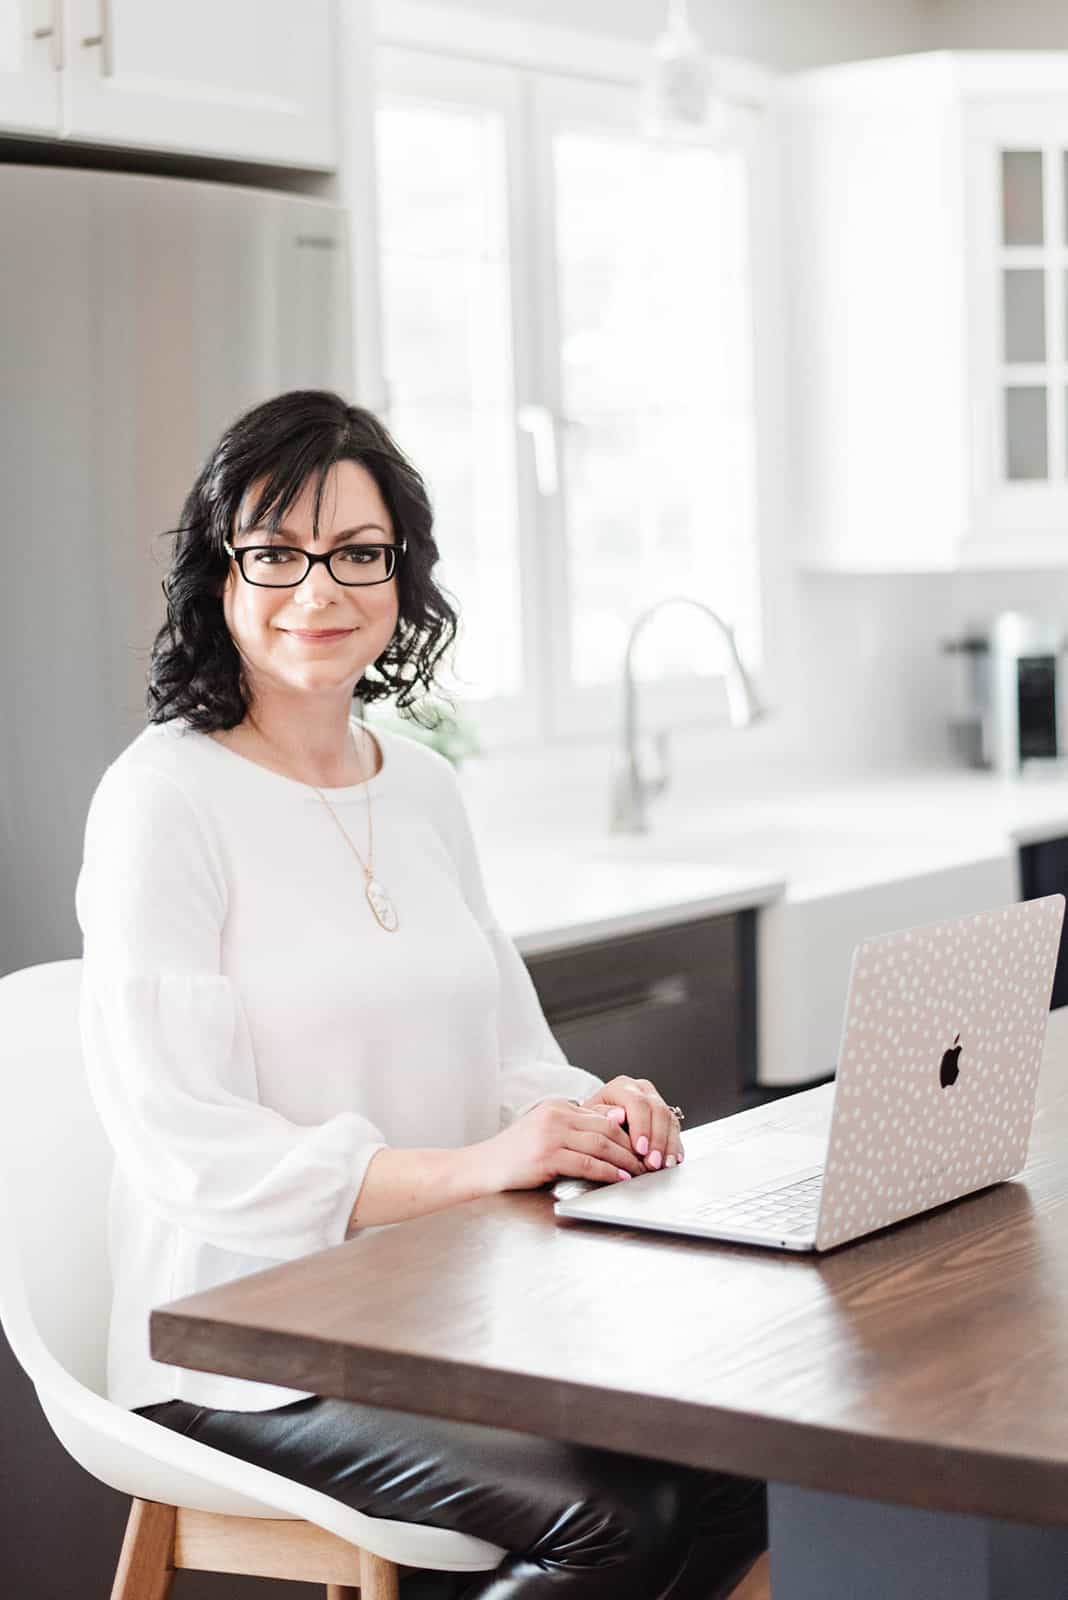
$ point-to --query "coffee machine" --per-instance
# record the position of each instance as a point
(1010, 709)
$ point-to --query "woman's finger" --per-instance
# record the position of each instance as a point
(595, 1170)
(628, 1094)
(594, 1120)
(664, 1141)
(605, 1147)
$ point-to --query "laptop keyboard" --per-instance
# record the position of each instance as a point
(792, 1208)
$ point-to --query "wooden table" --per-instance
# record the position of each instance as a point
(904, 1396)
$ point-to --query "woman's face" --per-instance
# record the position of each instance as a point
(274, 629)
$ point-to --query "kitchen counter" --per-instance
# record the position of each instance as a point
(828, 864)
(802, 843)
(549, 898)
(970, 804)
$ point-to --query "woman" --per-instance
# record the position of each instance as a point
(301, 1019)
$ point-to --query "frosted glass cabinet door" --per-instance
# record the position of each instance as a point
(251, 80)
(1024, 290)
(1022, 219)
(1026, 433)
(1030, 228)
(29, 54)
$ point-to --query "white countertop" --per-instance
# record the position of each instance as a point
(549, 898)
(801, 843)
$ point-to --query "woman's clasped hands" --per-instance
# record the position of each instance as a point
(650, 1122)
(623, 1130)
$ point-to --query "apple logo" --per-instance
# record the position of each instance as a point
(949, 1071)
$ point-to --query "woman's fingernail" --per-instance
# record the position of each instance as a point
(669, 1161)
(623, 1172)
(680, 1157)
(655, 1159)
(642, 1146)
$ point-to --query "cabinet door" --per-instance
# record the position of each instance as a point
(29, 58)
(249, 80)
(1018, 259)
(1044, 870)
(674, 1005)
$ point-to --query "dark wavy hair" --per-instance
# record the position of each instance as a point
(195, 670)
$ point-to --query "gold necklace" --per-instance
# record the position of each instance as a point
(384, 910)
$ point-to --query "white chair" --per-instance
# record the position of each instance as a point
(193, 1507)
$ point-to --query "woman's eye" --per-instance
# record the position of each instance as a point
(265, 558)
(361, 556)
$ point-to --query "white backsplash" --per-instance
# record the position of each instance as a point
(870, 694)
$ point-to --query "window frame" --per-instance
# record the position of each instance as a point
(432, 79)
(529, 72)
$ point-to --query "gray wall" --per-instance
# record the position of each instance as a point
(781, 33)
(997, 25)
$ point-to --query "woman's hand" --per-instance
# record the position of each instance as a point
(651, 1124)
(558, 1139)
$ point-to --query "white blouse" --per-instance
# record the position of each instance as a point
(252, 1036)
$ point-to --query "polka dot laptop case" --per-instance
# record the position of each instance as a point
(939, 1065)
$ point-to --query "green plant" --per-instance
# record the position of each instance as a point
(451, 735)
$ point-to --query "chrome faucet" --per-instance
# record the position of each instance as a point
(632, 789)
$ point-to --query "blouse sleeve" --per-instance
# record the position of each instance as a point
(167, 1046)
(532, 1065)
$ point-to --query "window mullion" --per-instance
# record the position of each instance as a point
(554, 590)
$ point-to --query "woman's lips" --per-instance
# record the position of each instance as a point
(319, 638)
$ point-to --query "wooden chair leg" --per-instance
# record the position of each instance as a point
(146, 1565)
(756, 1585)
(379, 1580)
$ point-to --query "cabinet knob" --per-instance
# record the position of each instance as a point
(93, 38)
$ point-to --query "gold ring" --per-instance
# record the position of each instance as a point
(678, 1113)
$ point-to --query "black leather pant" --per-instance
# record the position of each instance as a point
(582, 1523)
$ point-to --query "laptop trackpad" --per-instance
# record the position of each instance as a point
(772, 1159)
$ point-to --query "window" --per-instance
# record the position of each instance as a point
(568, 350)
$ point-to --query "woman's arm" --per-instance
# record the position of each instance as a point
(555, 1139)
(168, 1049)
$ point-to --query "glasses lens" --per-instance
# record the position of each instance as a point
(275, 569)
(367, 563)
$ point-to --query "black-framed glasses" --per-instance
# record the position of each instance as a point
(284, 566)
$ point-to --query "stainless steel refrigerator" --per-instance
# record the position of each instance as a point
(138, 316)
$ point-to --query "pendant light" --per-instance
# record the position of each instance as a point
(679, 101)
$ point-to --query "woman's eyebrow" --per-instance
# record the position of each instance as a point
(287, 533)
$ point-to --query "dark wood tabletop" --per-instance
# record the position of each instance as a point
(926, 1365)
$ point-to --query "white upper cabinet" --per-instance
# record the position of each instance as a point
(928, 281)
(30, 54)
(246, 80)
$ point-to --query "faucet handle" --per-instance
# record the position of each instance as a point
(657, 784)
(632, 788)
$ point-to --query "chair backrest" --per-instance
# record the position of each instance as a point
(55, 1174)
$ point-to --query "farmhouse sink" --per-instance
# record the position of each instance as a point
(847, 879)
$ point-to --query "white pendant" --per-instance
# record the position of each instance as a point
(381, 905)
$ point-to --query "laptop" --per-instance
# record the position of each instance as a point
(933, 1098)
